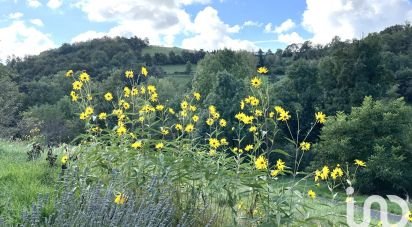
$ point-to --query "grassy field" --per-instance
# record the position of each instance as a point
(22, 181)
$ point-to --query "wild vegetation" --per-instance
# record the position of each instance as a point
(240, 138)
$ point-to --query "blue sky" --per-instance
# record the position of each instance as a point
(31, 26)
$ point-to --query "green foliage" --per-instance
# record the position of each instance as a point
(10, 103)
(56, 122)
(379, 132)
(239, 64)
(21, 181)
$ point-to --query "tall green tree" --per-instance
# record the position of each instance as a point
(10, 103)
(378, 132)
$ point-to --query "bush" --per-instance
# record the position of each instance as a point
(379, 132)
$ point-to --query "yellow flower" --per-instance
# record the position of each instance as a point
(96, 129)
(120, 199)
(253, 129)
(409, 216)
(280, 165)
(108, 96)
(261, 163)
(242, 105)
(154, 97)
(126, 92)
(102, 116)
(69, 73)
(142, 90)
(89, 110)
(360, 163)
(256, 82)
(325, 173)
(184, 105)
(151, 89)
(224, 142)
(126, 105)
(279, 109)
(144, 71)
(164, 131)
(89, 97)
(64, 159)
(275, 172)
(140, 119)
(74, 96)
(258, 113)
(222, 123)
(210, 121)
(212, 109)
(249, 147)
(77, 85)
(121, 130)
(262, 70)
(320, 117)
(171, 111)
(195, 118)
(129, 74)
(216, 115)
(159, 145)
(337, 172)
(304, 146)
(179, 127)
(318, 174)
(183, 113)
(214, 143)
(189, 128)
(134, 91)
(284, 116)
(83, 116)
(311, 194)
(160, 107)
(84, 77)
(197, 96)
(252, 100)
(192, 108)
(212, 152)
(271, 114)
(137, 144)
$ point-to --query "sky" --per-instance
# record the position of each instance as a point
(28, 27)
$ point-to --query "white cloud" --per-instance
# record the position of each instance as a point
(268, 28)
(89, 35)
(352, 18)
(20, 40)
(290, 38)
(158, 20)
(285, 26)
(33, 3)
(37, 22)
(161, 21)
(213, 33)
(54, 4)
(15, 16)
(250, 23)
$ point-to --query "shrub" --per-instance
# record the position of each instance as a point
(379, 132)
